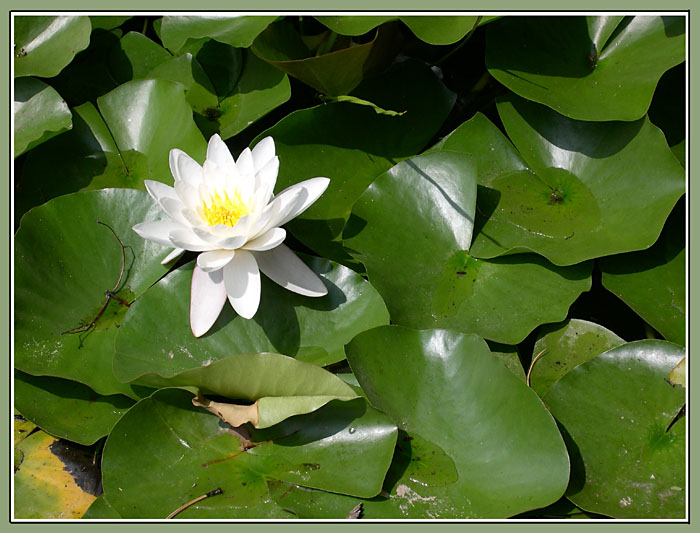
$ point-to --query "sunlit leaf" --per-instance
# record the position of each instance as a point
(238, 31)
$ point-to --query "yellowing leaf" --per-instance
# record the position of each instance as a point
(677, 375)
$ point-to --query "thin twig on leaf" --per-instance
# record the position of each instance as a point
(529, 370)
(192, 502)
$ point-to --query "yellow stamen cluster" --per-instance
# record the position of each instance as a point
(224, 211)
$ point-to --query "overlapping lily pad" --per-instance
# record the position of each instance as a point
(447, 388)
(64, 263)
(442, 29)
(412, 229)
(67, 409)
(309, 329)
(567, 345)
(351, 144)
(592, 68)
(238, 31)
(39, 112)
(335, 71)
(572, 189)
(135, 57)
(653, 282)
(44, 45)
(626, 443)
(175, 452)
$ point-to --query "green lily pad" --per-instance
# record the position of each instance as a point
(238, 31)
(309, 329)
(67, 409)
(352, 145)
(567, 345)
(135, 57)
(107, 22)
(653, 282)
(587, 68)
(668, 109)
(354, 26)
(175, 452)
(628, 459)
(573, 189)
(63, 266)
(100, 508)
(508, 354)
(40, 113)
(279, 385)
(412, 228)
(447, 388)
(44, 45)
(336, 71)
(442, 30)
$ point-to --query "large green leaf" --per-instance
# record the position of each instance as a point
(349, 25)
(336, 71)
(566, 345)
(442, 30)
(64, 263)
(351, 144)
(572, 189)
(100, 508)
(39, 112)
(279, 385)
(67, 409)
(44, 45)
(588, 68)
(653, 282)
(135, 57)
(238, 31)
(107, 22)
(628, 459)
(309, 329)
(447, 388)
(412, 228)
(174, 452)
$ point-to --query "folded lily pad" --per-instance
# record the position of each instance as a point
(619, 418)
(572, 189)
(564, 346)
(39, 112)
(63, 266)
(447, 388)
(309, 329)
(175, 452)
(238, 31)
(67, 409)
(587, 68)
(653, 282)
(412, 228)
(44, 45)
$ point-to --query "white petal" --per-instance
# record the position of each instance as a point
(266, 241)
(242, 281)
(158, 231)
(219, 242)
(245, 164)
(188, 194)
(218, 152)
(159, 191)
(207, 298)
(174, 208)
(184, 238)
(177, 252)
(214, 260)
(184, 168)
(266, 178)
(263, 152)
(276, 211)
(312, 188)
(283, 267)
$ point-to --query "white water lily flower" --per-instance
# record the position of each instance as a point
(225, 209)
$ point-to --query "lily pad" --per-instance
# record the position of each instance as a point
(445, 387)
(39, 112)
(573, 189)
(44, 45)
(411, 229)
(355, 26)
(100, 508)
(238, 31)
(107, 22)
(63, 266)
(653, 282)
(175, 452)
(45, 486)
(352, 145)
(334, 72)
(586, 68)
(67, 409)
(135, 57)
(618, 411)
(442, 30)
(279, 385)
(309, 329)
(567, 345)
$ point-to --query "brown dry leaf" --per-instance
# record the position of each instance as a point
(231, 413)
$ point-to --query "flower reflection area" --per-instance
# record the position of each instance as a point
(226, 210)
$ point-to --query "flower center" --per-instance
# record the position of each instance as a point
(224, 211)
